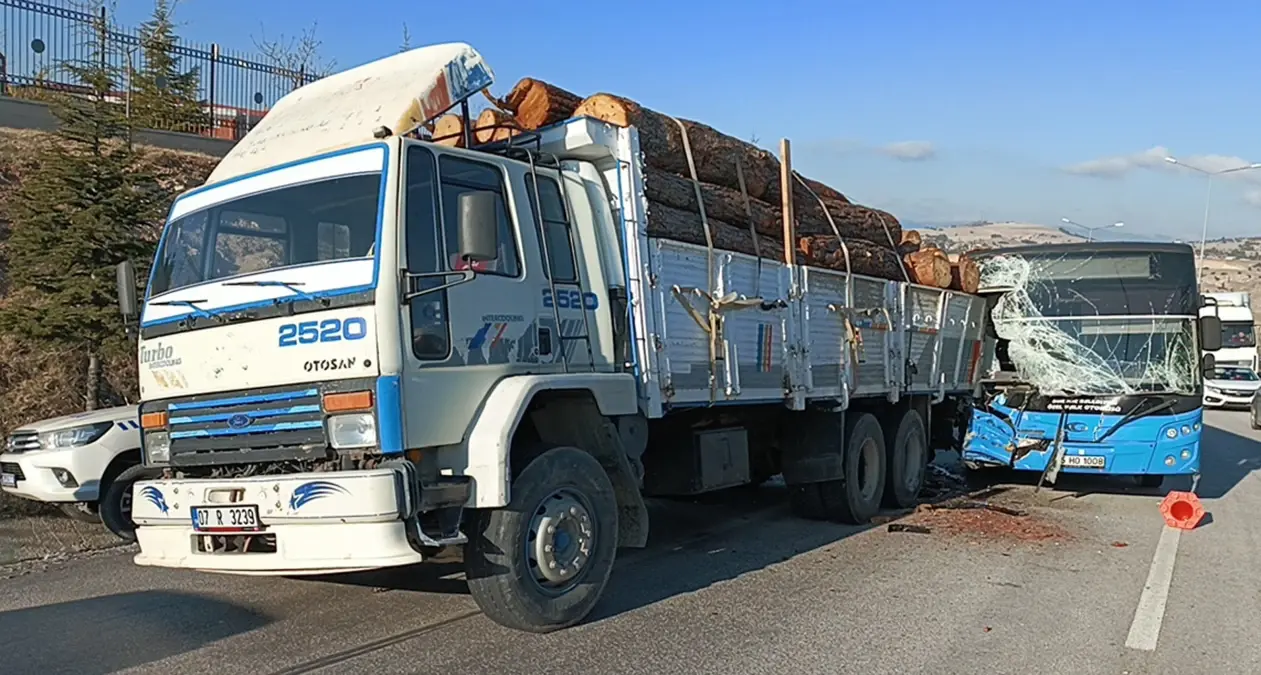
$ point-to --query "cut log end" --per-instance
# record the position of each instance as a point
(929, 267)
(965, 275)
(494, 125)
(448, 130)
(536, 104)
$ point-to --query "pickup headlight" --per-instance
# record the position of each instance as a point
(358, 430)
(73, 437)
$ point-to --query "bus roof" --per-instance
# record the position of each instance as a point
(1089, 247)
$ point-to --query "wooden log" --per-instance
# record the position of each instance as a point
(929, 267)
(448, 130)
(864, 257)
(494, 125)
(668, 222)
(537, 104)
(714, 153)
(965, 274)
(857, 222)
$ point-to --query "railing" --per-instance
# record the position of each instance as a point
(215, 92)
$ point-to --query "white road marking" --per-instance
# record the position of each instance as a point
(1145, 629)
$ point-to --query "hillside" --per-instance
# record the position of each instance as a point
(36, 381)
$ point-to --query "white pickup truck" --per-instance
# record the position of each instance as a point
(358, 347)
(71, 461)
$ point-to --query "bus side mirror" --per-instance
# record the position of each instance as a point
(478, 215)
(1210, 333)
(1208, 366)
(127, 301)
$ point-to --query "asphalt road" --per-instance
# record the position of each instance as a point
(730, 584)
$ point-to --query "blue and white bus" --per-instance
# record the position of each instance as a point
(1096, 363)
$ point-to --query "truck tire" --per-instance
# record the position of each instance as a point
(855, 498)
(908, 460)
(541, 563)
(115, 505)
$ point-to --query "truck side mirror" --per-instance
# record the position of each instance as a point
(1210, 333)
(478, 215)
(127, 301)
(1208, 365)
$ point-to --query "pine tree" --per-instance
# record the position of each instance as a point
(163, 97)
(73, 219)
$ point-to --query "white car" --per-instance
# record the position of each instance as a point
(1231, 387)
(70, 461)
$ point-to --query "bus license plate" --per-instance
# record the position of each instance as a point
(239, 518)
(1085, 461)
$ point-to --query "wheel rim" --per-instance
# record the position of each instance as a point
(560, 541)
(915, 453)
(124, 504)
(868, 469)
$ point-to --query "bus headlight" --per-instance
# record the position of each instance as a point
(1171, 432)
(358, 430)
(157, 447)
(1186, 430)
(1186, 454)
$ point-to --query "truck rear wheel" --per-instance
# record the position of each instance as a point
(855, 498)
(541, 563)
(908, 460)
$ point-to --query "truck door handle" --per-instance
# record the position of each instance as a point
(545, 341)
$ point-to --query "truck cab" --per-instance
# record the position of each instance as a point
(1239, 337)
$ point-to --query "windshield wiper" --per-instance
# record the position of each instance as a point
(292, 286)
(191, 304)
(1134, 414)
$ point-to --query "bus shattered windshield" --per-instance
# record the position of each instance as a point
(1114, 320)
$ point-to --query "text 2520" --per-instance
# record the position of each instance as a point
(328, 330)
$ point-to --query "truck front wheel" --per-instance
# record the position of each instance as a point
(541, 563)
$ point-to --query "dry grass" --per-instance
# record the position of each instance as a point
(36, 381)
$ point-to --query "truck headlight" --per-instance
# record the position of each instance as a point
(357, 430)
(73, 437)
(157, 447)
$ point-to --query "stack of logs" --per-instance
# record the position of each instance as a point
(739, 185)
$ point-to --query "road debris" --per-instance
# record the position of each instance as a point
(1119, 544)
(904, 527)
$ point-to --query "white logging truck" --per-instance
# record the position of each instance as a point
(356, 350)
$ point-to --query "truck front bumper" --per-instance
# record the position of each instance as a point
(309, 523)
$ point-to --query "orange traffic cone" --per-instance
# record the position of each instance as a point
(1182, 510)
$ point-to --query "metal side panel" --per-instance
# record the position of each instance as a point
(751, 359)
(824, 333)
(953, 328)
(873, 316)
(971, 368)
(923, 314)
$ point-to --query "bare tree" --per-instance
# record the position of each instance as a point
(298, 55)
(407, 39)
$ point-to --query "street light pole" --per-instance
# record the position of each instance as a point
(1090, 231)
(1208, 198)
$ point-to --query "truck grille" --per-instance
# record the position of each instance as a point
(23, 441)
(287, 418)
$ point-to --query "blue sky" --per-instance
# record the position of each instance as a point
(937, 111)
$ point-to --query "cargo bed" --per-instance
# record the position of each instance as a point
(788, 334)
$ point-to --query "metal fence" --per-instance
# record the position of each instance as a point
(231, 92)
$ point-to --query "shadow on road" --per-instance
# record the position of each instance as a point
(83, 636)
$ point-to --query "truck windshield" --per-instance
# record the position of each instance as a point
(318, 221)
(1233, 374)
(1238, 334)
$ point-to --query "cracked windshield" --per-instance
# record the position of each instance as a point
(365, 342)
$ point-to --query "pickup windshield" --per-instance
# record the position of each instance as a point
(318, 221)
(1238, 334)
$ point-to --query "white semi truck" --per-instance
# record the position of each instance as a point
(358, 347)
(1239, 336)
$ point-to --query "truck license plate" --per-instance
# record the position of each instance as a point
(240, 518)
(8, 480)
(1085, 461)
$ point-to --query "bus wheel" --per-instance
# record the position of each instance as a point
(541, 563)
(907, 461)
